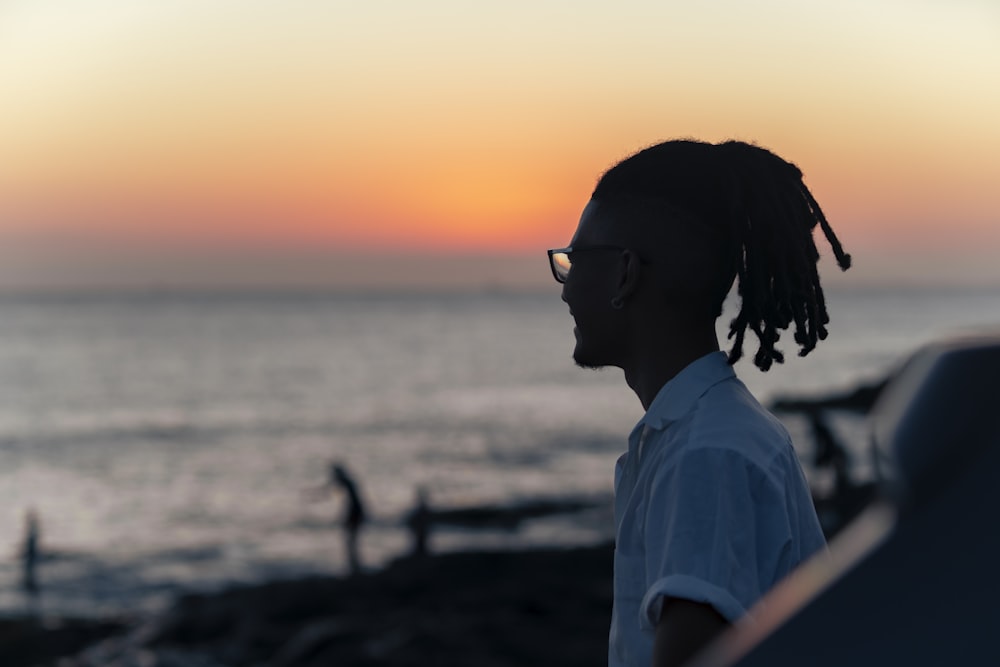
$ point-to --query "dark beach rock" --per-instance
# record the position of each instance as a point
(540, 607)
(535, 607)
(40, 641)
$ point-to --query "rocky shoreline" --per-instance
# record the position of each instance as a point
(528, 607)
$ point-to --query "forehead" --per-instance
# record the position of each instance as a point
(643, 223)
(596, 225)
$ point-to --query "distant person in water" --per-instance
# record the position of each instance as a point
(711, 505)
(354, 515)
(419, 522)
(354, 511)
(30, 551)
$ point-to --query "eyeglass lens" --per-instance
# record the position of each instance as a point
(561, 264)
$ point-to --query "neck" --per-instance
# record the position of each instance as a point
(661, 353)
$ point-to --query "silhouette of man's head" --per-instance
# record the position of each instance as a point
(668, 230)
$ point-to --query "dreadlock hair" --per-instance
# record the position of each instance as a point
(757, 217)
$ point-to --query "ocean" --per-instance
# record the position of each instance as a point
(169, 442)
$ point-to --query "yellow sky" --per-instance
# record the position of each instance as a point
(450, 126)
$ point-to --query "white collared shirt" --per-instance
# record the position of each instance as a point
(710, 505)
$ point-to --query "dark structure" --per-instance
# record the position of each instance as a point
(914, 581)
(848, 497)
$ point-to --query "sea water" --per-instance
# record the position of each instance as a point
(178, 441)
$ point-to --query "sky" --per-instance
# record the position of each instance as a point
(297, 142)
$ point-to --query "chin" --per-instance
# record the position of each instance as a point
(584, 359)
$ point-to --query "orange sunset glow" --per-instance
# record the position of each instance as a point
(268, 131)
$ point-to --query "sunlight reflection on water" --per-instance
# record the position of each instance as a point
(168, 440)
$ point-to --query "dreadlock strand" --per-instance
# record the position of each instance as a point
(843, 259)
(770, 312)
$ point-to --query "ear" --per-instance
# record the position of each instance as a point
(630, 269)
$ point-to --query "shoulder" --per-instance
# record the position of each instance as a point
(728, 417)
(726, 434)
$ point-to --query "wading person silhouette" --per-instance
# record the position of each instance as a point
(711, 506)
(29, 552)
(354, 510)
(419, 522)
(354, 516)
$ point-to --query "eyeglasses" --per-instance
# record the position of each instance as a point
(560, 263)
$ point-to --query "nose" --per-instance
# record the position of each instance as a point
(562, 294)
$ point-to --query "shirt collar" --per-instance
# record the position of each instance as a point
(676, 398)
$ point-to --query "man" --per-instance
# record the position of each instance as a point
(354, 510)
(711, 507)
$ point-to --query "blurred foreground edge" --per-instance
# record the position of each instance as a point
(915, 580)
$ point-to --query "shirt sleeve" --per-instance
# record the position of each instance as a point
(715, 529)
